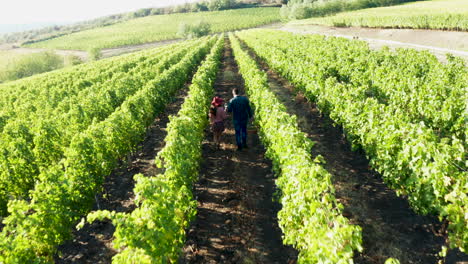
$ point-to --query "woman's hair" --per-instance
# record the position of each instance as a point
(213, 110)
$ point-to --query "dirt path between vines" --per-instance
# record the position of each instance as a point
(236, 220)
(389, 226)
(93, 243)
(437, 42)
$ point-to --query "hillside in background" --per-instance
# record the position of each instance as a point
(162, 27)
(17, 63)
(37, 32)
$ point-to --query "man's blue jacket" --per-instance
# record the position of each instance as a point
(239, 106)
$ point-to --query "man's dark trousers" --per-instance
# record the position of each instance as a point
(241, 112)
(241, 133)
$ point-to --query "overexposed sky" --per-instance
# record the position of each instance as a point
(33, 11)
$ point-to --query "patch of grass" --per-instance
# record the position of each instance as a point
(340, 24)
(435, 14)
(15, 65)
(161, 27)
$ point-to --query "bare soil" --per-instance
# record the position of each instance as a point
(437, 42)
(93, 243)
(236, 220)
(389, 226)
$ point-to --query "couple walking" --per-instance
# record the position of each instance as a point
(239, 106)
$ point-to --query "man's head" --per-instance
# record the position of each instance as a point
(235, 92)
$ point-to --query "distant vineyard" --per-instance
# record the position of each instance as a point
(406, 110)
(162, 27)
(435, 14)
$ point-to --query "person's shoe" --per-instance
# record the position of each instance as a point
(239, 148)
(245, 146)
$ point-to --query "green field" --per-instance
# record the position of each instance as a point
(436, 14)
(161, 27)
(8, 57)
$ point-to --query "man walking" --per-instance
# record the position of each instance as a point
(239, 106)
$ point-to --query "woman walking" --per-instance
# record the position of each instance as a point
(217, 117)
